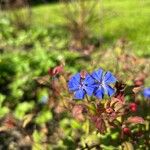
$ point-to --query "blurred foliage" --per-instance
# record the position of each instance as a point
(82, 18)
(118, 19)
(32, 113)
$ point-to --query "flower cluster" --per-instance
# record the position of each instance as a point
(97, 83)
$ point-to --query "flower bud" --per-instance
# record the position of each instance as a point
(133, 107)
(55, 71)
(126, 130)
(83, 74)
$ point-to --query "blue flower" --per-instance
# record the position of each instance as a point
(103, 82)
(146, 93)
(80, 86)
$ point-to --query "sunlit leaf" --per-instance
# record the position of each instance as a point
(135, 120)
(27, 120)
(43, 117)
(127, 146)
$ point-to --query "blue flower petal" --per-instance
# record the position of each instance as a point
(109, 90)
(76, 78)
(73, 86)
(146, 92)
(74, 82)
(89, 90)
(109, 78)
(98, 75)
(99, 93)
(88, 80)
(79, 94)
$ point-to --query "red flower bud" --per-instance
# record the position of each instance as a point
(55, 71)
(133, 107)
(83, 74)
(126, 130)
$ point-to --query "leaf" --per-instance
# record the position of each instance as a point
(106, 147)
(77, 112)
(136, 89)
(114, 101)
(43, 80)
(91, 108)
(86, 126)
(23, 108)
(36, 136)
(129, 90)
(118, 106)
(27, 120)
(3, 111)
(2, 98)
(63, 82)
(75, 124)
(44, 117)
(3, 129)
(127, 146)
(136, 120)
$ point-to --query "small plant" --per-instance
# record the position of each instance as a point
(113, 113)
(20, 12)
(81, 18)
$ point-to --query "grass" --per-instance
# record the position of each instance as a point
(120, 19)
(128, 19)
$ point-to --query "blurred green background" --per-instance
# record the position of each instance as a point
(38, 35)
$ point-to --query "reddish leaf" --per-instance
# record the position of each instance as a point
(77, 112)
(99, 123)
(136, 120)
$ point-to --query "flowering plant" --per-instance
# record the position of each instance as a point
(102, 112)
(113, 111)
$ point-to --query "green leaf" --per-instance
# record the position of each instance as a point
(22, 108)
(44, 117)
(109, 147)
(36, 136)
(2, 98)
(3, 111)
(86, 126)
(75, 124)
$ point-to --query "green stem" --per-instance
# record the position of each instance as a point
(87, 99)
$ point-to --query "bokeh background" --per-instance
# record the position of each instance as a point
(36, 35)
